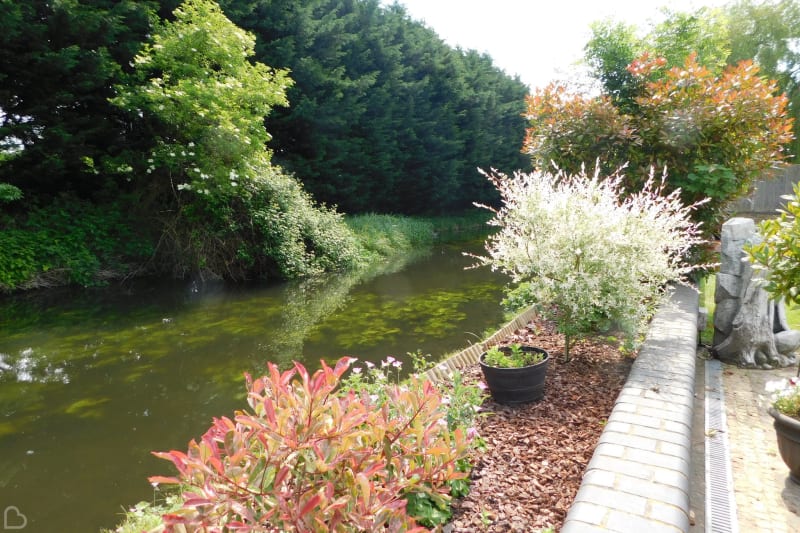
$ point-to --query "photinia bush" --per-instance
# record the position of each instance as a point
(308, 457)
(714, 134)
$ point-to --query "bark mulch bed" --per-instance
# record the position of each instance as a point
(536, 454)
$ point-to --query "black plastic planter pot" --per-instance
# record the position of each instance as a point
(787, 430)
(516, 385)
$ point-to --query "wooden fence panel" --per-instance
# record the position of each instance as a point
(766, 197)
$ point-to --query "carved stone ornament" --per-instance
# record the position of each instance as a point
(750, 329)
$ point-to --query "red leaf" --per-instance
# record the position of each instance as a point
(197, 502)
(280, 476)
(342, 365)
(309, 505)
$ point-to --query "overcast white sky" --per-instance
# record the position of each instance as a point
(539, 40)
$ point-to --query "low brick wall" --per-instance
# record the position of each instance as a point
(638, 478)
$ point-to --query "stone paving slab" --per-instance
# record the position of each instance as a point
(766, 499)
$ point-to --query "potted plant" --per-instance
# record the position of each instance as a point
(785, 411)
(515, 373)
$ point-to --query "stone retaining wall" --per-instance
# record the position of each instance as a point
(638, 478)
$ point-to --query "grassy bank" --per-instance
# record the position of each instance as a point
(383, 236)
(79, 243)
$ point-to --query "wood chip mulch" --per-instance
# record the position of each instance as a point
(536, 453)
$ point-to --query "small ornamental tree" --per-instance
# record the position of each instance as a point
(779, 251)
(588, 256)
(713, 134)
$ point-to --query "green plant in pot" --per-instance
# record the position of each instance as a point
(785, 411)
(515, 373)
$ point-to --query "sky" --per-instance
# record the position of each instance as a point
(539, 40)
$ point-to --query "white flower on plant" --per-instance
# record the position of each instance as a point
(369, 364)
(357, 370)
(776, 385)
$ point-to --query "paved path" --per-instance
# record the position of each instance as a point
(767, 501)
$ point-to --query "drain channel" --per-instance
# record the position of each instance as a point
(720, 504)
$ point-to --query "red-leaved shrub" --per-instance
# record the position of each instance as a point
(310, 458)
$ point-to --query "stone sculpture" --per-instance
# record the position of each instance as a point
(750, 329)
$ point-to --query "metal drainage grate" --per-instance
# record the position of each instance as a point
(720, 504)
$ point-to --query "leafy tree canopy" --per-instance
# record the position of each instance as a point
(614, 45)
(205, 100)
(766, 32)
(769, 33)
(226, 211)
(713, 133)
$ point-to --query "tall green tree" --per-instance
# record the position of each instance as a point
(383, 115)
(768, 32)
(703, 32)
(614, 45)
(225, 210)
(611, 48)
(204, 101)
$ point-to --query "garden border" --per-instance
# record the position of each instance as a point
(638, 477)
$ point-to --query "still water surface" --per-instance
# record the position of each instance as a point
(92, 380)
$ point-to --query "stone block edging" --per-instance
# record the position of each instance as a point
(638, 477)
(469, 356)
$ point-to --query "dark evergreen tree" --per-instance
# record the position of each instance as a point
(60, 62)
(384, 116)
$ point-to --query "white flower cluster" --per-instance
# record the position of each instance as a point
(590, 254)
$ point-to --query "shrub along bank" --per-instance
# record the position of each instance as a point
(72, 241)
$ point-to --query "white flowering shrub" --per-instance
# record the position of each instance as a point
(589, 256)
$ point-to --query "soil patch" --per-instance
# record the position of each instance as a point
(536, 454)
